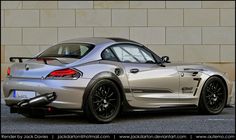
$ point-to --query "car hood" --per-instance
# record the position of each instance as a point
(196, 67)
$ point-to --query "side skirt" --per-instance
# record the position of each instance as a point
(127, 108)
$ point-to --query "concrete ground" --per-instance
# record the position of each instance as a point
(168, 121)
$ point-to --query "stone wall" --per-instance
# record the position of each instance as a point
(187, 31)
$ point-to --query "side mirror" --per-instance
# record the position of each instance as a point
(165, 59)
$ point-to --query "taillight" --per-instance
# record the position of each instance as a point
(65, 74)
(8, 71)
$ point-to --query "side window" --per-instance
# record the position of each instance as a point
(131, 53)
(147, 56)
(124, 55)
(108, 55)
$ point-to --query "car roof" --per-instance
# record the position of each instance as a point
(99, 40)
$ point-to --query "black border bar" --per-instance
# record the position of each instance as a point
(119, 136)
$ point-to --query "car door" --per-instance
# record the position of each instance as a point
(151, 84)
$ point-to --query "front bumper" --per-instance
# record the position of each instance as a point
(69, 92)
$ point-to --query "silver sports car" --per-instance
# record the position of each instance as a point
(102, 76)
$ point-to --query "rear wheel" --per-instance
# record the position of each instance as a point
(213, 97)
(103, 103)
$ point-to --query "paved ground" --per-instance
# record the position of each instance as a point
(171, 121)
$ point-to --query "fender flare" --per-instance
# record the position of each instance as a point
(224, 82)
(103, 75)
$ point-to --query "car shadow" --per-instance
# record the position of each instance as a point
(80, 118)
(158, 114)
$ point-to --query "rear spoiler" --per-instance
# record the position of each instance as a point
(44, 59)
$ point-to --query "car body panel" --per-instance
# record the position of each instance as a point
(69, 94)
(153, 86)
(37, 70)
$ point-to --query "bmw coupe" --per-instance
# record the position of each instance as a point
(103, 76)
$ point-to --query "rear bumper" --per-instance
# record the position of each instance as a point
(34, 105)
(69, 92)
(42, 110)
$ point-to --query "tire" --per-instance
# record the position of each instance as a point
(213, 96)
(103, 103)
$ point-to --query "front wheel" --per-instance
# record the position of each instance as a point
(213, 96)
(103, 103)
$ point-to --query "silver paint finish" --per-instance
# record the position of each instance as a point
(69, 93)
(152, 87)
(152, 76)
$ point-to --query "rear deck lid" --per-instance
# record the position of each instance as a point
(32, 70)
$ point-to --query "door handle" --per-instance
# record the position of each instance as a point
(134, 70)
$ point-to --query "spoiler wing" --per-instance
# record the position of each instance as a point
(45, 59)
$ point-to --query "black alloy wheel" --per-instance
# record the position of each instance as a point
(213, 97)
(104, 102)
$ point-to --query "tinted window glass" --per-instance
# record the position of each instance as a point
(123, 55)
(130, 53)
(68, 50)
(147, 56)
(108, 55)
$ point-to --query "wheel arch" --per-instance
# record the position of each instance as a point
(104, 75)
(225, 84)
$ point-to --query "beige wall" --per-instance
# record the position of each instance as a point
(189, 31)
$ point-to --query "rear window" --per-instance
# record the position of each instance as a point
(68, 50)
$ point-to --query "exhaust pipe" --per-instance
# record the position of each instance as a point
(41, 100)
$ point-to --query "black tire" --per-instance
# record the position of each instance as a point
(103, 103)
(213, 96)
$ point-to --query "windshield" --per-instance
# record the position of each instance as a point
(68, 50)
